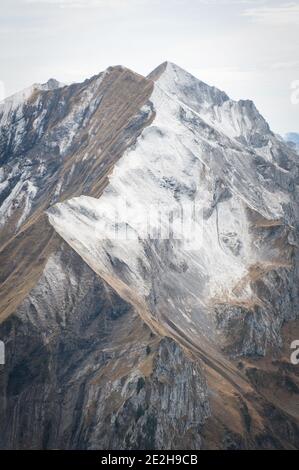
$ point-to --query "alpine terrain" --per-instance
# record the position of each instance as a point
(117, 337)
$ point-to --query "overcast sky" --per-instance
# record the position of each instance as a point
(249, 48)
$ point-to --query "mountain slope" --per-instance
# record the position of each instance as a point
(222, 291)
(244, 231)
(233, 286)
(57, 316)
(73, 136)
(83, 371)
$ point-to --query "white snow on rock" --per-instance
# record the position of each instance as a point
(186, 157)
(20, 198)
(84, 108)
(234, 118)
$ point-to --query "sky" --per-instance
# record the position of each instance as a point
(248, 48)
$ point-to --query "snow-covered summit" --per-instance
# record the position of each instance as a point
(237, 119)
(189, 89)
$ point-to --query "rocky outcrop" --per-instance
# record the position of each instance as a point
(83, 371)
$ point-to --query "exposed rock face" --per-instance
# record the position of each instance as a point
(83, 371)
(159, 342)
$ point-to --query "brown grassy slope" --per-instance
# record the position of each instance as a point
(114, 125)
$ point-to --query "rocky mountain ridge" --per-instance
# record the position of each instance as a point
(155, 344)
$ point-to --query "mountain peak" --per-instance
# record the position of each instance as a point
(51, 84)
(168, 67)
(191, 91)
(212, 104)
